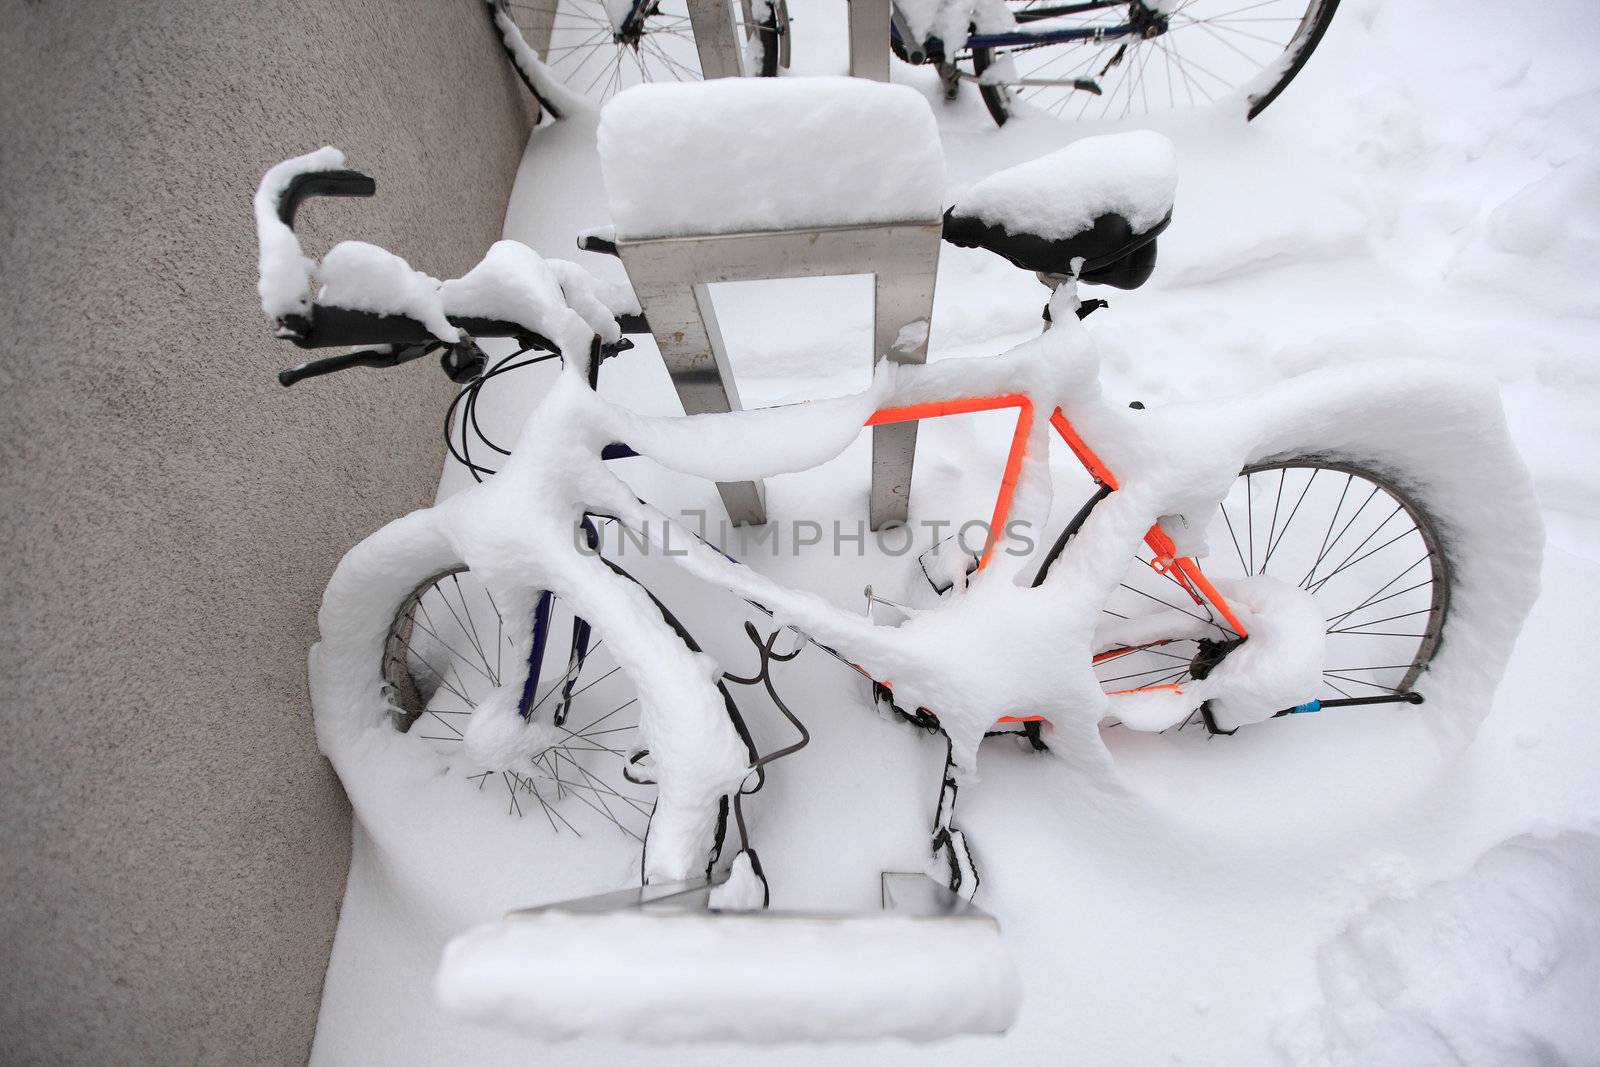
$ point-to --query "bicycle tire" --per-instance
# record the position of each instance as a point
(996, 98)
(436, 663)
(1102, 57)
(1419, 604)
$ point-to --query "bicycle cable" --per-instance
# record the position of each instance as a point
(466, 401)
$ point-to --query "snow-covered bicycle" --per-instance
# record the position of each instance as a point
(596, 48)
(1089, 59)
(1369, 538)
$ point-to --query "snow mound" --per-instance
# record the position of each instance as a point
(737, 155)
(1498, 966)
(1133, 174)
(700, 977)
(1541, 241)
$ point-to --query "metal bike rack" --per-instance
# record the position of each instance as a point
(910, 894)
(786, 975)
(672, 275)
(716, 38)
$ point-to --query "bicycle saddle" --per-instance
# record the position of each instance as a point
(1113, 252)
(1102, 200)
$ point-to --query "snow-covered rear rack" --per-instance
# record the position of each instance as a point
(658, 963)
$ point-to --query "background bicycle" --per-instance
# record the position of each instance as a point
(1090, 59)
(600, 47)
(1115, 58)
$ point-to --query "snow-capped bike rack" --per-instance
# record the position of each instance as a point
(673, 255)
(671, 277)
(626, 956)
(908, 893)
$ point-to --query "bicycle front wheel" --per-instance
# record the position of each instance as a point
(447, 648)
(600, 47)
(1185, 54)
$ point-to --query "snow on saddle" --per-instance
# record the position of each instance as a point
(1092, 209)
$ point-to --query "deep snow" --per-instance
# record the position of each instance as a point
(1279, 894)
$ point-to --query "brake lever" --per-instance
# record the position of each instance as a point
(370, 357)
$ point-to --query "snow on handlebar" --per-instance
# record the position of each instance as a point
(373, 300)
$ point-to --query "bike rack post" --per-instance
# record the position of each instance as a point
(869, 39)
(672, 275)
(716, 38)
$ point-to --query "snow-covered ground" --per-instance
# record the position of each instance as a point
(1430, 185)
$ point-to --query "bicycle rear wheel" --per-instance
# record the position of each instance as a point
(1203, 52)
(600, 47)
(1369, 554)
(447, 648)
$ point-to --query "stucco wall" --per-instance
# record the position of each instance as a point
(172, 846)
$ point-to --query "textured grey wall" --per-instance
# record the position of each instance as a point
(172, 847)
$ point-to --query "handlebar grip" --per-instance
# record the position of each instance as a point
(598, 242)
(321, 183)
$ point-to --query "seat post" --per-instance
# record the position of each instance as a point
(1056, 281)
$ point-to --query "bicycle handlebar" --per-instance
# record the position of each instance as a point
(330, 326)
(321, 183)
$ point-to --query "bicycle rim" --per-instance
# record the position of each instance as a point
(1211, 51)
(1355, 539)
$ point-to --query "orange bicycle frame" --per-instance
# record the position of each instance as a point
(1183, 569)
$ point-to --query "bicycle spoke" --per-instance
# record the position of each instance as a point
(1272, 527)
(1376, 622)
(1165, 668)
(1250, 519)
(477, 642)
(462, 627)
(572, 668)
(1360, 681)
(1351, 563)
(453, 655)
(1328, 548)
(601, 788)
(1272, 546)
(443, 680)
(1174, 607)
(1342, 616)
(1235, 537)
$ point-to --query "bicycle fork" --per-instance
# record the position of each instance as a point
(581, 633)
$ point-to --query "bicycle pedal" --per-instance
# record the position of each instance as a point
(952, 859)
(945, 566)
(639, 769)
(1212, 729)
